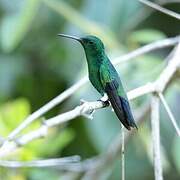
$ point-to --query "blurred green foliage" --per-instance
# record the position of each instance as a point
(35, 66)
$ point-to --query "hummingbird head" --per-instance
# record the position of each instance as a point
(91, 44)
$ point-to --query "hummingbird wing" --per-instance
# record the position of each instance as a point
(114, 89)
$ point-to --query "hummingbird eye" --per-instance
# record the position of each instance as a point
(90, 42)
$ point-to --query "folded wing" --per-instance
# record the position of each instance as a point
(119, 103)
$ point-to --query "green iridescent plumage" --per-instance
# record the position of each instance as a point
(105, 78)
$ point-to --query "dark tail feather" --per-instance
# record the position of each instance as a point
(127, 110)
(121, 106)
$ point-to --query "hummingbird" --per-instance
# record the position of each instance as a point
(104, 77)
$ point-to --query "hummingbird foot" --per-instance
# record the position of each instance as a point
(104, 98)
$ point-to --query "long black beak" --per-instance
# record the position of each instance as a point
(70, 37)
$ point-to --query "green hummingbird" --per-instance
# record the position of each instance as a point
(105, 78)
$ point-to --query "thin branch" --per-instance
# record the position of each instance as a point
(105, 160)
(87, 108)
(169, 72)
(109, 157)
(47, 107)
(170, 1)
(41, 163)
(173, 120)
(64, 95)
(147, 48)
(142, 90)
(123, 155)
(156, 138)
(161, 9)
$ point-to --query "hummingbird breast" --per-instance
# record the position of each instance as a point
(94, 77)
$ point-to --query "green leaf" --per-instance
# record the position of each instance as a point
(12, 113)
(14, 26)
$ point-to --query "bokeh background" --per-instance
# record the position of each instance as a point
(36, 65)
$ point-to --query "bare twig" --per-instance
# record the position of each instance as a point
(83, 109)
(64, 95)
(41, 163)
(169, 72)
(156, 137)
(147, 48)
(168, 1)
(161, 9)
(123, 155)
(169, 113)
(140, 91)
(105, 160)
(47, 107)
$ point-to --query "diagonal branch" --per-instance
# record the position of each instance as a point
(173, 120)
(161, 9)
(81, 110)
(41, 163)
(146, 49)
(64, 95)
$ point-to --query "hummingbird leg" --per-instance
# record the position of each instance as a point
(104, 98)
(106, 101)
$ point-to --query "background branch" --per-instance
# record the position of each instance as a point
(169, 113)
(161, 9)
(83, 109)
(41, 163)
